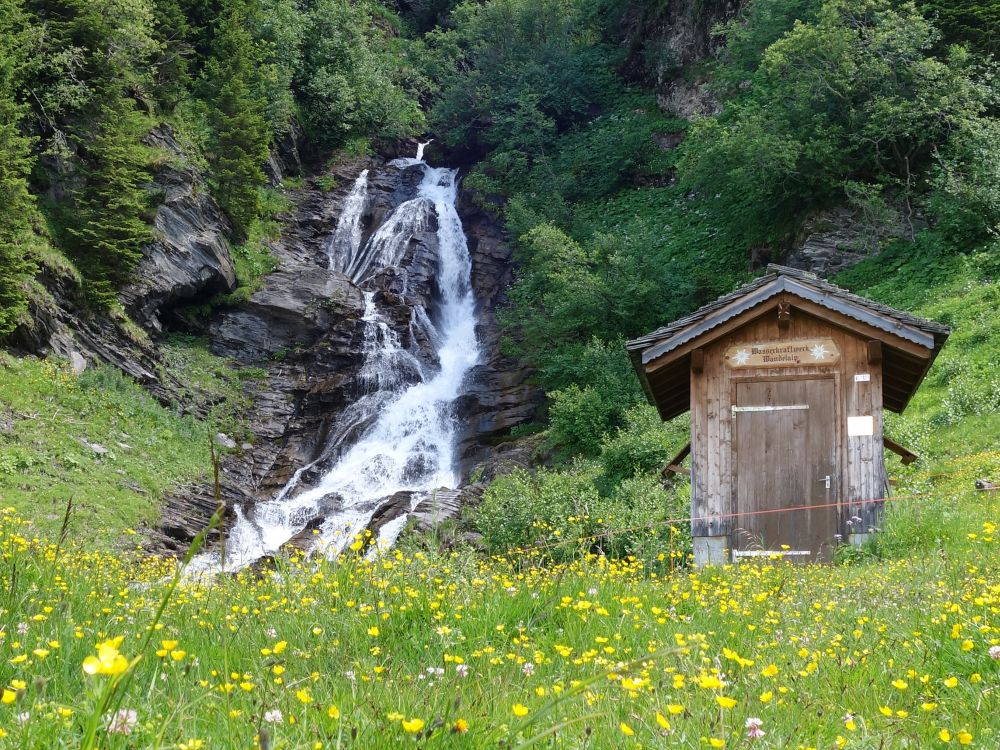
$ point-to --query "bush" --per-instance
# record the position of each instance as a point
(641, 447)
(522, 509)
(561, 514)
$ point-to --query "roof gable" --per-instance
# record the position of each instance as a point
(912, 342)
(801, 284)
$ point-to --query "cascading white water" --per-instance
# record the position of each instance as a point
(348, 231)
(409, 440)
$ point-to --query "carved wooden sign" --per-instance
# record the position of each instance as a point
(798, 353)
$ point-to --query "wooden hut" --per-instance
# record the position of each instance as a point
(786, 379)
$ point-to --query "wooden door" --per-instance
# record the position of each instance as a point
(785, 436)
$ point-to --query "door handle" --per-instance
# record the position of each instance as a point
(826, 481)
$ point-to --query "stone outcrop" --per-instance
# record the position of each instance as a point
(835, 239)
(189, 259)
(665, 40)
(500, 393)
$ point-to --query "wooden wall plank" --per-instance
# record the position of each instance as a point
(859, 459)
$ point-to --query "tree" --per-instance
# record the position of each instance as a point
(349, 82)
(972, 22)
(855, 96)
(238, 116)
(108, 231)
(16, 204)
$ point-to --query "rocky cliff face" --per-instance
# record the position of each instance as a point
(304, 327)
(190, 257)
(666, 41)
(189, 260)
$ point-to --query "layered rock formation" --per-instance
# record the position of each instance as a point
(304, 328)
(190, 257)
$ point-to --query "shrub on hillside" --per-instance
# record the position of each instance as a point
(563, 513)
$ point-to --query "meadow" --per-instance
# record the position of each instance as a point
(424, 648)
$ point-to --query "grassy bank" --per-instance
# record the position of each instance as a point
(99, 441)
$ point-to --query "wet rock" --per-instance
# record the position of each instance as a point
(389, 509)
(188, 511)
(296, 307)
(443, 504)
(304, 540)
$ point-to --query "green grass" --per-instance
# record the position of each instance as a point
(367, 654)
(957, 409)
(50, 420)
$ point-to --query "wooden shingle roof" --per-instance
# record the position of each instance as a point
(662, 358)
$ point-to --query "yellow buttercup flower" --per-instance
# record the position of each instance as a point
(413, 725)
(520, 709)
(108, 660)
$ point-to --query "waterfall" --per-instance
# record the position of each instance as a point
(346, 238)
(404, 429)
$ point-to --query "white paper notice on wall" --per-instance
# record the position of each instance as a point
(862, 377)
(860, 426)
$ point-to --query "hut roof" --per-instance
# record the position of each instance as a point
(662, 358)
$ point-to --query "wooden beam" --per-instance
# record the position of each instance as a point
(908, 457)
(874, 352)
(698, 360)
(674, 465)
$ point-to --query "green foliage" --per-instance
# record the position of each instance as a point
(349, 82)
(758, 25)
(642, 446)
(47, 454)
(971, 22)
(579, 417)
(862, 98)
(522, 509)
(238, 116)
(16, 204)
(108, 230)
(562, 515)
(966, 202)
(520, 72)
(209, 385)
